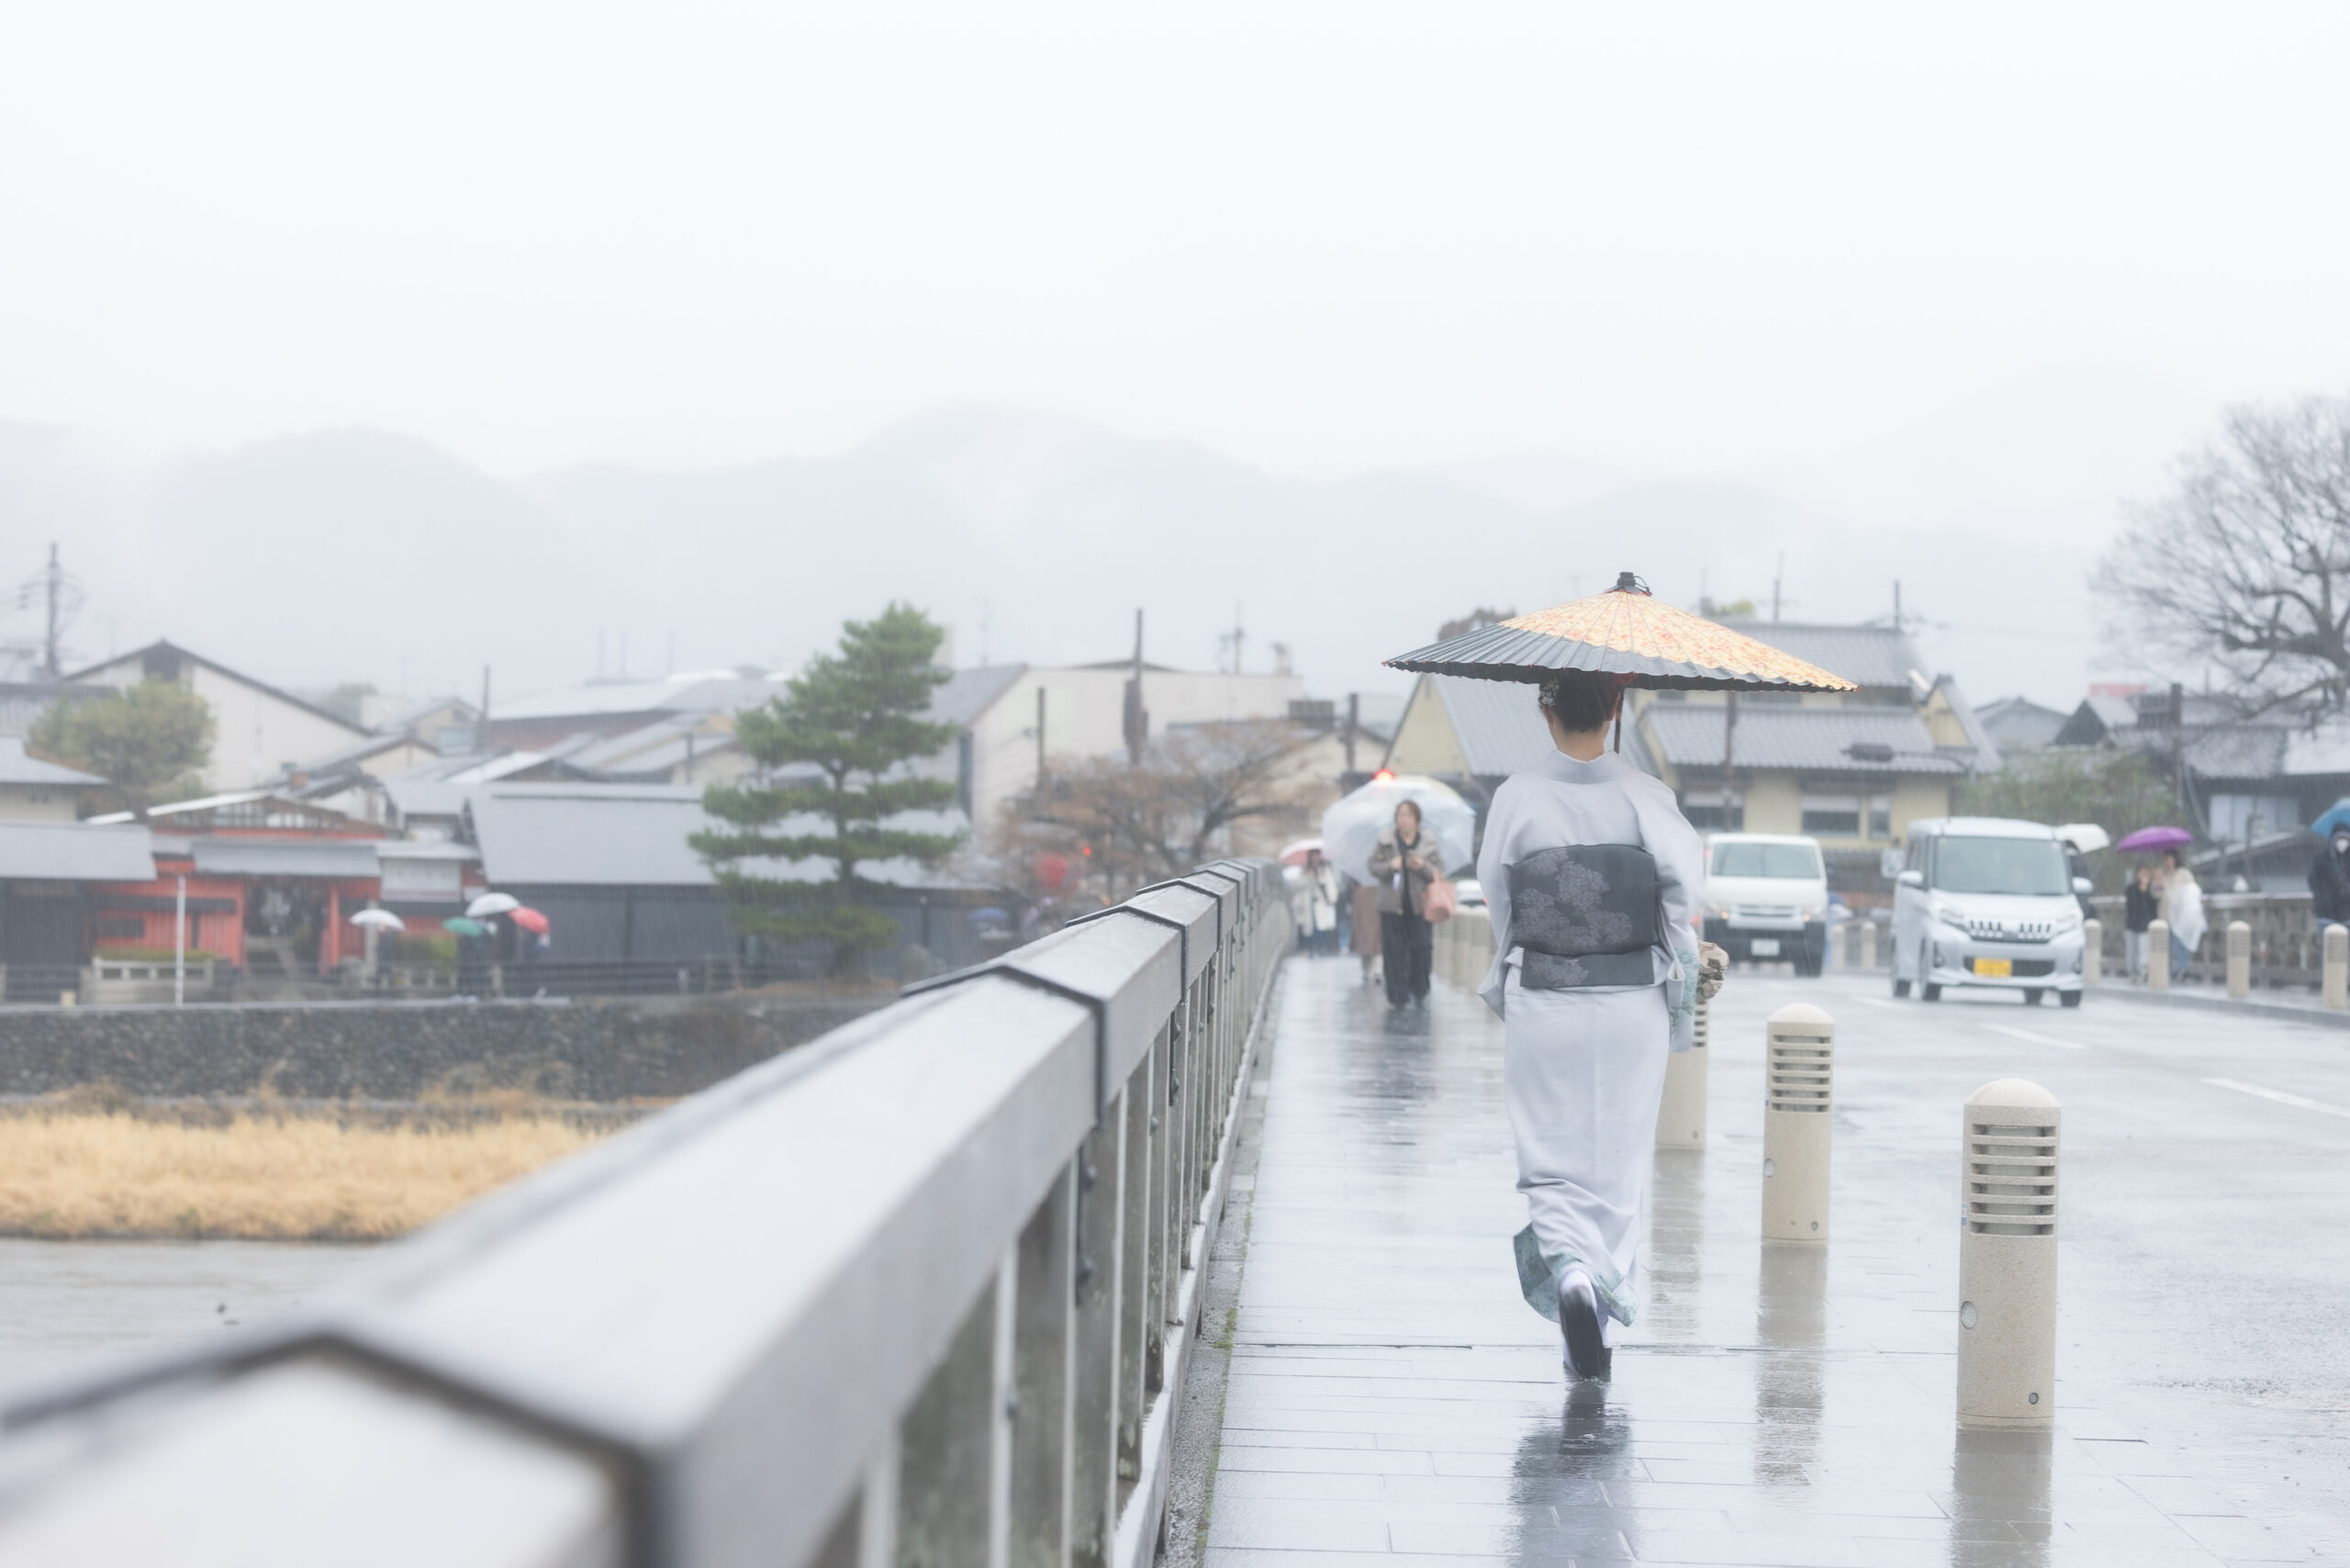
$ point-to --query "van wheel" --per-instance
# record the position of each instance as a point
(2069, 997)
(1927, 990)
(1900, 985)
(2032, 997)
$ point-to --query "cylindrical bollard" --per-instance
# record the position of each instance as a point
(1681, 1118)
(1798, 1108)
(2092, 950)
(1868, 944)
(2158, 956)
(2007, 1257)
(2239, 959)
(2335, 993)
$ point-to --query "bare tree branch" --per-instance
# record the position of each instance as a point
(2245, 566)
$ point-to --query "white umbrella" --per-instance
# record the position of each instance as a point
(379, 919)
(2087, 837)
(491, 903)
(1351, 829)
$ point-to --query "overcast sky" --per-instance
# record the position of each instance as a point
(1321, 236)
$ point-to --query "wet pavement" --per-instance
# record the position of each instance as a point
(1391, 1395)
(67, 1306)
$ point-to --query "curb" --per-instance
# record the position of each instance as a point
(2221, 1003)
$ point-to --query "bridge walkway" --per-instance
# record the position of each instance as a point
(1391, 1398)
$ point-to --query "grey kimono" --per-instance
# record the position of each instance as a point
(1593, 879)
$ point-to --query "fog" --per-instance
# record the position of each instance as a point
(345, 348)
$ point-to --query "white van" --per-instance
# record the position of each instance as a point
(1766, 897)
(1986, 902)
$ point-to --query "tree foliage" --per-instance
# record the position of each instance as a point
(2245, 566)
(2121, 791)
(832, 755)
(1133, 824)
(148, 740)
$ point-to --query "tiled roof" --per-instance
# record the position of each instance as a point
(1867, 655)
(1808, 740)
(1500, 729)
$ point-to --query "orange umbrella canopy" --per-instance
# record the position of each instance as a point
(1626, 632)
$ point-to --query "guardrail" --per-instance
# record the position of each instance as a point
(921, 1292)
(2287, 941)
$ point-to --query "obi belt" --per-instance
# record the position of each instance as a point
(1585, 914)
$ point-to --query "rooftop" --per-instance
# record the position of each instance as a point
(19, 767)
(1890, 741)
(1866, 655)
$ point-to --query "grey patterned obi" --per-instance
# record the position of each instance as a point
(1585, 914)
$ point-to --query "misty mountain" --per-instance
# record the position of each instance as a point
(360, 555)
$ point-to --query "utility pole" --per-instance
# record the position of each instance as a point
(1354, 717)
(1040, 739)
(2178, 743)
(1776, 579)
(1896, 604)
(1729, 756)
(55, 584)
(1138, 716)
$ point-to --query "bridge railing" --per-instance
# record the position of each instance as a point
(919, 1293)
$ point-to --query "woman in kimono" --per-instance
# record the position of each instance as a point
(1594, 881)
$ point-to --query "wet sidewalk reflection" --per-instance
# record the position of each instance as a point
(1784, 1404)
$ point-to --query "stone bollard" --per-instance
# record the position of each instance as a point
(1798, 1107)
(2158, 956)
(2007, 1257)
(2092, 950)
(1680, 1117)
(2336, 992)
(1868, 944)
(2239, 959)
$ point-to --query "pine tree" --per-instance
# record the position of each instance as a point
(845, 729)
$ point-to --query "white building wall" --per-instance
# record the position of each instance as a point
(255, 732)
(1085, 717)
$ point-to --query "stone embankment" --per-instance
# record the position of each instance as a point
(600, 1051)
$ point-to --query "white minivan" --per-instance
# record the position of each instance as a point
(1986, 902)
(1766, 897)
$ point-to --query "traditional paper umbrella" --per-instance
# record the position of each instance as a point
(529, 920)
(493, 904)
(378, 920)
(2154, 840)
(459, 926)
(1627, 633)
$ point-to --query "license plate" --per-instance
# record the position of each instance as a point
(1763, 947)
(1995, 968)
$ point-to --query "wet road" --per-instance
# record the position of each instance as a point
(69, 1305)
(1390, 1393)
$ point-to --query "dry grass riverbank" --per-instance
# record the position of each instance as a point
(77, 1168)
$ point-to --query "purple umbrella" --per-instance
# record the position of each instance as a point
(2154, 840)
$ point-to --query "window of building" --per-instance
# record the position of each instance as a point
(1703, 809)
(1880, 816)
(1837, 815)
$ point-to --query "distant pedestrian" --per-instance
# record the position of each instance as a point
(2329, 880)
(1362, 917)
(1403, 866)
(2183, 908)
(2141, 902)
(1317, 895)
